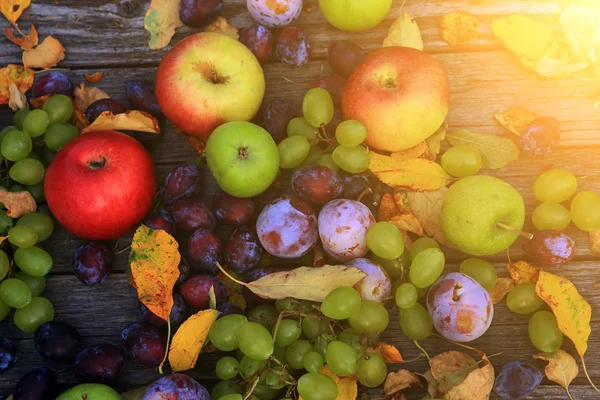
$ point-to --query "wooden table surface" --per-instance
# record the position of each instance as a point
(108, 36)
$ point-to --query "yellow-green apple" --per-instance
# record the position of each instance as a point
(100, 185)
(355, 15)
(208, 79)
(400, 94)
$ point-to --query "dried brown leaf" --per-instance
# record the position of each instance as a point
(84, 95)
(397, 381)
(45, 55)
(387, 208)
(132, 120)
(459, 27)
(595, 240)
(401, 201)
(421, 150)
(434, 142)
(451, 368)
(27, 42)
(522, 271)
(501, 289)
(562, 367)
(477, 386)
(221, 25)
(409, 223)
(427, 207)
(95, 77)
(17, 203)
(16, 98)
(388, 352)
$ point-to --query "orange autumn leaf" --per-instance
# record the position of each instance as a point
(38, 102)
(189, 339)
(389, 353)
(573, 313)
(595, 240)
(17, 74)
(132, 120)
(85, 95)
(45, 55)
(154, 261)
(26, 42)
(401, 200)
(12, 9)
(516, 119)
(17, 203)
(522, 272)
(95, 77)
(198, 143)
(417, 174)
(459, 27)
(347, 387)
(397, 381)
(387, 208)
(221, 25)
(501, 289)
(408, 223)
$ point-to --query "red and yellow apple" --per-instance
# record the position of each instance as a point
(100, 185)
(208, 79)
(400, 94)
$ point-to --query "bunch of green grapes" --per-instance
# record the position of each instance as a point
(274, 343)
(26, 149)
(307, 134)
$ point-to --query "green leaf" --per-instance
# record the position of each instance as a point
(496, 151)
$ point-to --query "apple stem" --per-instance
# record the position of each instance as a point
(213, 76)
(97, 164)
(455, 295)
(519, 232)
(364, 193)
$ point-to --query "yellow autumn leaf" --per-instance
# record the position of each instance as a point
(161, 20)
(388, 352)
(523, 272)
(579, 24)
(417, 174)
(525, 37)
(496, 151)
(21, 77)
(408, 223)
(562, 368)
(132, 120)
(397, 381)
(427, 207)
(459, 27)
(434, 142)
(12, 9)
(189, 339)
(404, 32)
(553, 68)
(595, 240)
(516, 119)
(573, 313)
(347, 387)
(154, 262)
(221, 25)
(421, 150)
(501, 289)
(85, 95)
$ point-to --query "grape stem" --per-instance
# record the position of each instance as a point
(515, 230)
(587, 376)
(422, 349)
(160, 367)
(247, 396)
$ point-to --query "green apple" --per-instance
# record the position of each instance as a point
(355, 15)
(243, 158)
(476, 213)
(90, 391)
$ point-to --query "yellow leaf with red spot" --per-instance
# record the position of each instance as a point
(18, 75)
(45, 55)
(573, 313)
(189, 339)
(161, 20)
(516, 119)
(389, 353)
(132, 120)
(459, 27)
(154, 262)
(26, 42)
(501, 289)
(522, 272)
(417, 174)
(12, 9)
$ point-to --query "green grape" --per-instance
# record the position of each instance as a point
(16, 145)
(19, 117)
(326, 160)
(313, 327)
(427, 267)
(37, 191)
(16, 188)
(5, 130)
(34, 155)
(263, 392)
(6, 222)
(59, 108)
(394, 267)
(415, 322)
(341, 303)
(371, 318)
(522, 299)
(33, 260)
(255, 341)
(36, 284)
(480, 270)
(385, 240)
(4, 310)
(422, 244)
(264, 314)
(372, 370)
(59, 134)
(42, 223)
(313, 156)
(15, 293)
(406, 295)
(294, 355)
(223, 388)
(300, 127)
(313, 361)
(45, 155)
(461, 161)
(341, 358)
(350, 133)
(354, 159)
(317, 107)
(22, 236)
(551, 217)
(28, 171)
(322, 342)
(585, 211)
(36, 123)
(4, 264)
(223, 333)
(249, 366)
(231, 396)
(293, 151)
(352, 338)
(227, 368)
(272, 380)
(554, 186)
(288, 332)
(544, 332)
(422, 292)
(287, 304)
(316, 386)
(38, 311)
(279, 352)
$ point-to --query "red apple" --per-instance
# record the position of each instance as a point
(208, 79)
(400, 94)
(100, 185)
